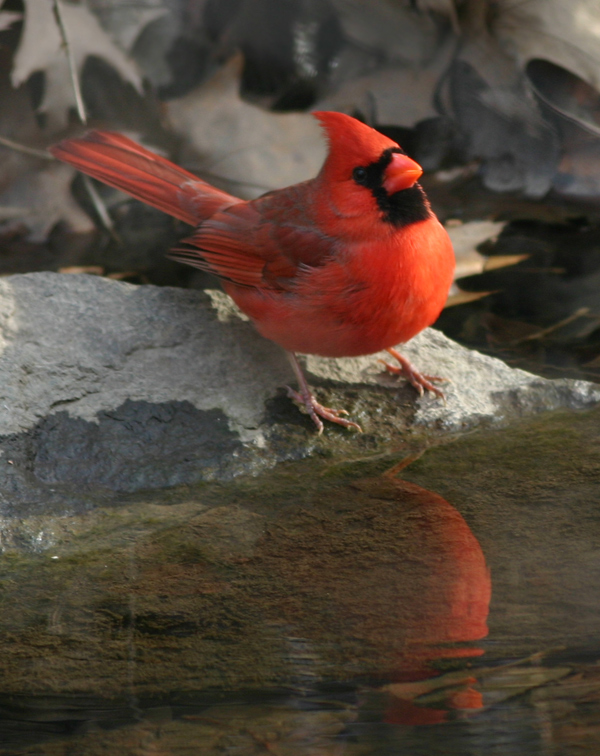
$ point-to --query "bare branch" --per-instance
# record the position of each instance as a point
(71, 60)
(580, 313)
(26, 150)
(100, 208)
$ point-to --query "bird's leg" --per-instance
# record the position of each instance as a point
(314, 409)
(412, 375)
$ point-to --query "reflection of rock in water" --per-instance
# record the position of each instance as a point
(309, 581)
(383, 581)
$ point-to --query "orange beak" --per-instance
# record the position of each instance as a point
(401, 173)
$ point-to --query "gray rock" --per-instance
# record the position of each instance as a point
(111, 387)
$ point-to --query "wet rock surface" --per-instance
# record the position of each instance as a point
(108, 387)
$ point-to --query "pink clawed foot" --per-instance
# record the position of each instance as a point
(318, 411)
(312, 406)
(420, 381)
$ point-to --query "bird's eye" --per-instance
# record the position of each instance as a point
(359, 175)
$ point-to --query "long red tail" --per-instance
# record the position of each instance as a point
(125, 165)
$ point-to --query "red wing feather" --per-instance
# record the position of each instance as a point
(250, 245)
(224, 245)
(125, 165)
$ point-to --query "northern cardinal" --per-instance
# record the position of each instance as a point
(349, 263)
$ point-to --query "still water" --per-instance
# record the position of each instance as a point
(320, 610)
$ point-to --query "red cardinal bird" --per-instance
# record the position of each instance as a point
(349, 263)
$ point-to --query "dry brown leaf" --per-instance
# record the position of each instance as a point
(237, 145)
(500, 122)
(399, 96)
(45, 195)
(567, 95)
(457, 296)
(578, 173)
(33, 190)
(125, 20)
(466, 237)
(566, 33)
(389, 29)
(41, 49)
(503, 261)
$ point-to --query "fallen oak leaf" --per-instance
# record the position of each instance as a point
(230, 140)
(466, 239)
(395, 95)
(45, 196)
(34, 189)
(41, 49)
(124, 20)
(567, 34)
(486, 96)
(389, 29)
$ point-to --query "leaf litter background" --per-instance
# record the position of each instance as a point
(499, 100)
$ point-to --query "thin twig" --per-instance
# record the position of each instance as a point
(26, 150)
(71, 61)
(91, 189)
(581, 312)
(100, 208)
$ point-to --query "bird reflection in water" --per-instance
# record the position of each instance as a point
(387, 579)
(445, 609)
